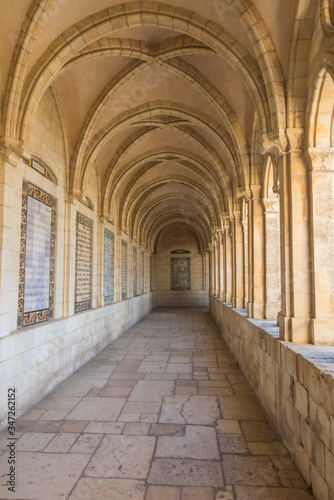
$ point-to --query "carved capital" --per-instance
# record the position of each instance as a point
(322, 158)
(296, 138)
(11, 150)
(275, 143)
(75, 195)
(243, 192)
(327, 16)
(271, 205)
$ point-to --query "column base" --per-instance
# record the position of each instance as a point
(296, 330)
(322, 331)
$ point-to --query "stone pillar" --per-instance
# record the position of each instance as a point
(203, 255)
(227, 244)
(238, 261)
(217, 262)
(322, 226)
(245, 241)
(221, 267)
(214, 266)
(210, 269)
(256, 300)
(272, 258)
(294, 318)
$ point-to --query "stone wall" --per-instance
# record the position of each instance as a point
(295, 386)
(185, 298)
(36, 359)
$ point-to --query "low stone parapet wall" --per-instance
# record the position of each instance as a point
(295, 386)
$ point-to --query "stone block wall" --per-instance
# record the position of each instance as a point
(184, 298)
(36, 359)
(295, 386)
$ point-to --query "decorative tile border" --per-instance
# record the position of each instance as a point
(124, 269)
(142, 272)
(37, 256)
(83, 263)
(180, 273)
(134, 271)
(108, 267)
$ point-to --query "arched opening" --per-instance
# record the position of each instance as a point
(321, 151)
(272, 243)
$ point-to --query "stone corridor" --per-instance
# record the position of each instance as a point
(163, 413)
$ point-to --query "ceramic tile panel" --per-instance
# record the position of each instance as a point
(134, 271)
(180, 273)
(108, 267)
(83, 263)
(142, 272)
(124, 269)
(37, 256)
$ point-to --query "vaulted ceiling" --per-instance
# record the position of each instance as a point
(161, 98)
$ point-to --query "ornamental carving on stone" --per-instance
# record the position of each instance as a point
(322, 159)
(296, 139)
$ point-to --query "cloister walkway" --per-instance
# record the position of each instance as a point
(163, 413)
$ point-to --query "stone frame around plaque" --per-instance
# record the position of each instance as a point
(124, 269)
(33, 317)
(109, 237)
(175, 264)
(134, 271)
(85, 304)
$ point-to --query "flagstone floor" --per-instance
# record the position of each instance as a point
(163, 413)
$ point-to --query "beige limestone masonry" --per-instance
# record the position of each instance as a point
(295, 386)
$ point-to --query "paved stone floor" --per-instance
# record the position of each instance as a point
(163, 413)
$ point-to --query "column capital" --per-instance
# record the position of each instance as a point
(282, 141)
(322, 158)
(271, 205)
(75, 195)
(243, 192)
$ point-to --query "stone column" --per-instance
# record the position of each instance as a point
(294, 318)
(227, 244)
(238, 261)
(203, 255)
(256, 300)
(221, 267)
(322, 226)
(245, 241)
(272, 258)
(214, 266)
(210, 269)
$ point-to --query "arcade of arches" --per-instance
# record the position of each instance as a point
(167, 154)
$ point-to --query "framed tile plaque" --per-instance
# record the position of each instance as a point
(108, 267)
(142, 272)
(134, 271)
(180, 273)
(124, 269)
(37, 256)
(83, 263)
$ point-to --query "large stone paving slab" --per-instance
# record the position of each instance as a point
(180, 472)
(43, 476)
(122, 457)
(99, 409)
(198, 441)
(147, 390)
(89, 488)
